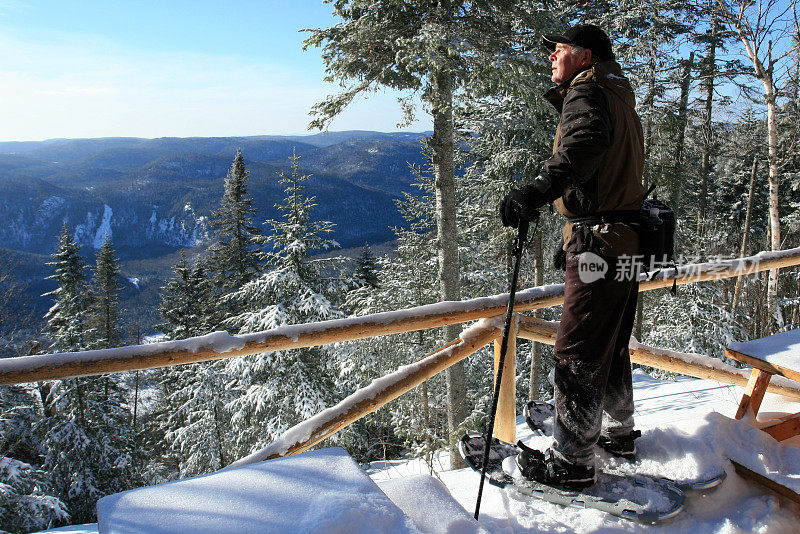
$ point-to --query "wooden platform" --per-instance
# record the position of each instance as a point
(778, 354)
(765, 482)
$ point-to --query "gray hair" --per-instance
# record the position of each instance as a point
(577, 50)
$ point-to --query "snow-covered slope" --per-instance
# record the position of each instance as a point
(687, 425)
(691, 420)
(320, 491)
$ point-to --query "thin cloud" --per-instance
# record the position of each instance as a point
(64, 85)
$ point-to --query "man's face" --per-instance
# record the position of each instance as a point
(565, 63)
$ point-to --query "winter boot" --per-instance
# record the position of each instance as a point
(622, 446)
(547, 468)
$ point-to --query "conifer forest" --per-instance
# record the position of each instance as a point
(717, 84)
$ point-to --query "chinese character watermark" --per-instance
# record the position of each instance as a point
(688, 267)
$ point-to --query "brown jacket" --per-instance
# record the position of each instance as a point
(598, 157)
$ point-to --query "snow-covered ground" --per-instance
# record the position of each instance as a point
(687, 429)
(688, 423)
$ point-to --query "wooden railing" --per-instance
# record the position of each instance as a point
(221, 345)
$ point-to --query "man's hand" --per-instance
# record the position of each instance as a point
(521, 204)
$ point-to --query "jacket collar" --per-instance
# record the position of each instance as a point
(556, 95)
(606, 72)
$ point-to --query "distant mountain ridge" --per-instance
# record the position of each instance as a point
(154, 196)
(161, 191)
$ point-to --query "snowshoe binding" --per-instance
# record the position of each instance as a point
(547, 468)
(622, 446)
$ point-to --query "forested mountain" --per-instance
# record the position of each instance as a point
(154, 196)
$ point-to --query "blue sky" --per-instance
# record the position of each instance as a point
(182, 68)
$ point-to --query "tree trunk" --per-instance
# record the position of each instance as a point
(79, 394)
(796, 311)
(426, 417)
(746, 232)
(442, 145)
(752, 36)
(534, 389)
(647, 108)
(219, 434)
(774, 182)
(680, 141)
(708, 130)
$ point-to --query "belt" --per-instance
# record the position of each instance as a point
(608, 217)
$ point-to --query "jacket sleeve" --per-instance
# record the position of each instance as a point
(587, 132)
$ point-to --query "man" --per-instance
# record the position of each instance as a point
(595, 179)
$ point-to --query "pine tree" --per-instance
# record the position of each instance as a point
(198, 427)
(85, 434)
(105, 291)
(280, 389)
(191, 403)
(184, 301)
(67, 319)
(367, 268)
(438, 49)
(27, 502)
(419, 421)
(86, 447)
(364, 284)
(407, 280)
(235, 258)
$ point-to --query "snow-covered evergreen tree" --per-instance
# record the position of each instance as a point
(364, 284)
(85, 433)
(27, 502)
(236, 257)
(279, 389)
(68, 318)
(25, 505)
(441, 50)
(86, 445)
(190, 409)
(197, 424)
(367, 268)
(416, 421)
(105, 291)
(184, 300)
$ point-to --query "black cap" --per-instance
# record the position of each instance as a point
(586, 36)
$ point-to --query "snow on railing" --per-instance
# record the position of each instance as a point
(221, 345)
(685, 363)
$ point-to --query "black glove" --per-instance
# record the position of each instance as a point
(560, 258)
(521, 204)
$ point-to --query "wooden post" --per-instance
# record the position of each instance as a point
(505, 426)
(753, 393)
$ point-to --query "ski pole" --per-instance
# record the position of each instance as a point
(519, 246)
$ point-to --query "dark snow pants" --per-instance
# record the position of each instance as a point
(593, 390)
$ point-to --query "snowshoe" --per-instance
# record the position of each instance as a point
(637, 498)
(547, 468)
(540, 415)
